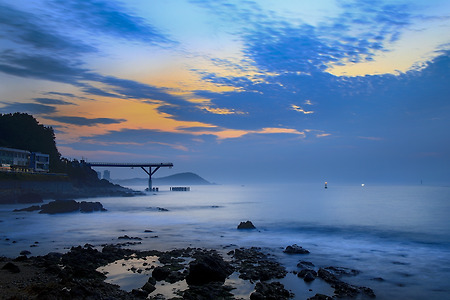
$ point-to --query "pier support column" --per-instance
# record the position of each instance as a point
(150, 173)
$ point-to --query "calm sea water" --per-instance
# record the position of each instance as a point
(398, 233)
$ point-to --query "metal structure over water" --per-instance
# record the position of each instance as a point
(149, 172)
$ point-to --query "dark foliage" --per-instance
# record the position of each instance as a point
(23, 131)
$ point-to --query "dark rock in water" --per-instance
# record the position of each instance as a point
(11, 267)
(308, 275)
(343, 289)
(295, 249)
(160, 273)
(272, 290)
(246, 225)
(254, 265)
(91, 206)
(60, 206)
(305, 264)
(126, 237)
(320, 297)
(29, 198)
(30, 208)
(208, 267)
(339, 271)
(212, 290)
(25, 252)
(148, 287)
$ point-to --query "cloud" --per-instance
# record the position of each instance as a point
(81, 121)
(29, 30)
(52, 101)
(109, 18)
(31, 108)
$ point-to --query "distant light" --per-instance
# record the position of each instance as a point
(362, 184)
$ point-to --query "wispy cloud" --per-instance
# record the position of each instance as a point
(81, 121)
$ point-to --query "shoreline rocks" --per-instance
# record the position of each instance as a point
(246, 225)
(75, 275)
(64, 206)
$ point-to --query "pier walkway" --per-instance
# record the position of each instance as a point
(149, 172)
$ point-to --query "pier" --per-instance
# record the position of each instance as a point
(152, 167)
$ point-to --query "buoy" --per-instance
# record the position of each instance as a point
(326, 185)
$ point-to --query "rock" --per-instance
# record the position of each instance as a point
(308, 275)
(320, 297)
(160, 273)
(11, 267)
(305, 264)
(246, 225)
(126, 237)
(60, 206)
(208, 267)
(295, 249)
(272, 290)
(254, 265)
(91, 206)
(29, 198)
(148, 287)
(25, 252)
(343, 289)
(30, 208)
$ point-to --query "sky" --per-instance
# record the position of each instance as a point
(238, 91)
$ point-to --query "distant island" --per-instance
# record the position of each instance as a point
(186, 178)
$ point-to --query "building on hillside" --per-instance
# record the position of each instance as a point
(14, 159)
(39, 162)
(25, 161)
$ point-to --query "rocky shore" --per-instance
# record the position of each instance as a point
(31, 191)
(199, 273)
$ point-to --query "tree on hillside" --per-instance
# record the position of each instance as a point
(23, 131)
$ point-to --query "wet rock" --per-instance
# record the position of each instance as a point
(60, 206)
(295, 249)
(246, 225)
(126, 237)
(160, 273)
(254, 265)
(339, 271)
(29, 209)
(91, 206)
(11, 267)
(208, 267)
(343, 289)
(308, 275)
(272, 290)
(148, 287)
(320, 297)
(211, 290)
(305, 264)
(25, 252)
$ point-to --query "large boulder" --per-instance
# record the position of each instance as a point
(91, 206)
(60, 206)
(208, 267)
(246, 225)
(295, 249)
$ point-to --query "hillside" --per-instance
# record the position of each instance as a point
(187, 178)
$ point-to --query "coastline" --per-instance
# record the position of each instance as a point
(14, 191)
(187, 273)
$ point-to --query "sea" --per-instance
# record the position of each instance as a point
(398, 237)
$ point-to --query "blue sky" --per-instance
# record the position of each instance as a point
(238, 91)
